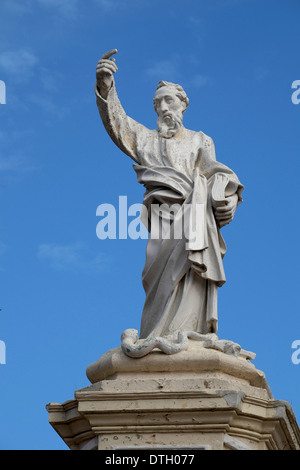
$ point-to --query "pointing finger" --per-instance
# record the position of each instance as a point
(108, 54)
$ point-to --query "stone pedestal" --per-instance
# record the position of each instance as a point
(195, 399)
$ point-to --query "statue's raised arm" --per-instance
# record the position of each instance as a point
(123, 130)
(106, 67)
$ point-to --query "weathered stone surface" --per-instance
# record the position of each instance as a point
(189, 197)
(199, 398)
(196, 361)
(177, 385)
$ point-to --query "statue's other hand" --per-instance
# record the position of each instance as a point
(224, 214)
(106, 67)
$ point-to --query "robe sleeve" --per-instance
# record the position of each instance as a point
(123, 130)
(218, 175)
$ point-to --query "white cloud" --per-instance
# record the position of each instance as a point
(51, 79)
(16, 6)
(198, 81)
(67, 8)
(64, 7)
(15, 163)
(47, 104)
(18, 62)
(14, 135)
(260, 73)
(13, 168)
(72, 257)
(60, 256)
(163, 70)
(170, 70)
(107, 4)
(112, 4)
(10, 163)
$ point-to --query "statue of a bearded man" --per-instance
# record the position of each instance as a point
(179, 170)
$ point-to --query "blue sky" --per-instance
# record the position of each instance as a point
(67, 296)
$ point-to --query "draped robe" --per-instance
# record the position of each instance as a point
(182, 273)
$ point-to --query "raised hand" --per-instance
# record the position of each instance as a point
(106, 67)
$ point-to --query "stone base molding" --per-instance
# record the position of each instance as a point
(196, 399)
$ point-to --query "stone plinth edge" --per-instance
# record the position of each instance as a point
(197, 360)
(201, 398)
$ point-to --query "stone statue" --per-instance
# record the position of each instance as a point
(179, 170)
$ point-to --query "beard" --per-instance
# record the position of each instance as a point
(169, 124)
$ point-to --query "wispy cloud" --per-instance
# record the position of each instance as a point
(47, 104)
(16, 6)
(197, 29)
(8, 136)
(13, 168)
(198, 81)
(19, 62)
(106, 4)
(113, 4)
(51, 80)
(67, 8)
(64, 7)
(170, 70)
(163, 70)
(221, 4)
(22, 65)
(72, 257)
(10, 163)
(15, 164)
(260, 73)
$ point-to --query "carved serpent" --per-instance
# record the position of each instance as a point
(172, 344)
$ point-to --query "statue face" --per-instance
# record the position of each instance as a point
(169, 109)
(166, 102)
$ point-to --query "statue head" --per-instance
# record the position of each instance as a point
(170, 102)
